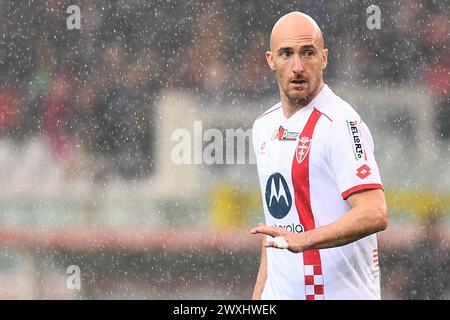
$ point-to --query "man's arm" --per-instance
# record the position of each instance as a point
(262, 274)
(368, 215)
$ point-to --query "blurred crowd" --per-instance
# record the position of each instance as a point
(93, 91)
(419, 271)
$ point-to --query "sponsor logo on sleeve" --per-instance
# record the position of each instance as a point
(355, 136)
(363, 171)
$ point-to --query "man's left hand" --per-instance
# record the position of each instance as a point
(294, 240)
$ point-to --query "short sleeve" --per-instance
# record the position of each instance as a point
(351, 157)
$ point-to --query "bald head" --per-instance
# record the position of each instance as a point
(298, 57)
(295, 25)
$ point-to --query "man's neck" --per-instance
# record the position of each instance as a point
(290, 107)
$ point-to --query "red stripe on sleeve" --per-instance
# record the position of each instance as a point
(361, 187)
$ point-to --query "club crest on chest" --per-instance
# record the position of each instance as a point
(304, 144)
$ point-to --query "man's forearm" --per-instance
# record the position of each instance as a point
(356, 224)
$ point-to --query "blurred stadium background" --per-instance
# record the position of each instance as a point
(86, 123)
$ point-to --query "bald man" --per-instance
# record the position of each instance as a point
(322, 193)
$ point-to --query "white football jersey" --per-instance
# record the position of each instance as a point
(308, 165)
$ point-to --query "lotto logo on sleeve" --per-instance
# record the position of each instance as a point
(363, 171)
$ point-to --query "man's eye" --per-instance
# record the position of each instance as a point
(309, 53)
(285, 53)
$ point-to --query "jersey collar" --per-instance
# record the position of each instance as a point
(316, 102)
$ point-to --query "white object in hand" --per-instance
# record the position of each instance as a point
(281, 243)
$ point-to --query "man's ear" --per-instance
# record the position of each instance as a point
(270, 61)
(324, 58)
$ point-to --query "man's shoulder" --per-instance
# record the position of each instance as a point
(336, 109)
(269, 112)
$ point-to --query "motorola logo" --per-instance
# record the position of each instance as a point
(278, 196)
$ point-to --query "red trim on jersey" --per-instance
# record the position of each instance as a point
(267, 113)
(361, 187)
(324, 114)
(300, 180)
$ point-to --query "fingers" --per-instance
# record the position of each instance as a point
(277, 233)
(270, 231)
(254, 230)
(281, 243)
(278, 243)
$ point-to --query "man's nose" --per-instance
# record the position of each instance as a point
(297, 66)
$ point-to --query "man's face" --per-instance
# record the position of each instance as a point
(298, 61)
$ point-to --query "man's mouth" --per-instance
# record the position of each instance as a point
(298, 81)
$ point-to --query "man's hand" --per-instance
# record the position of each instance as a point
(294, 240)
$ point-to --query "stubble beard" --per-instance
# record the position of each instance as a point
(295, 100)
(300, 102)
